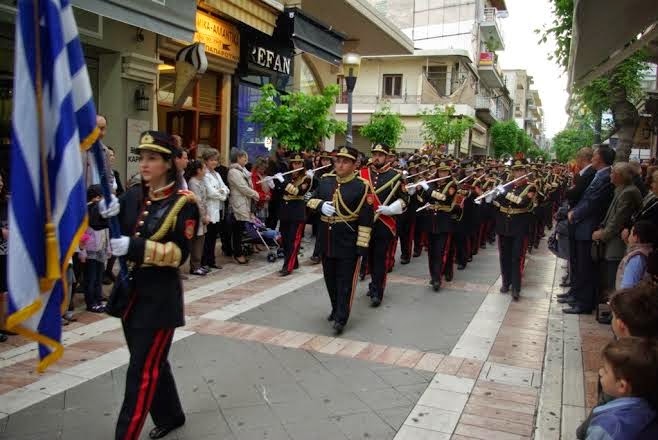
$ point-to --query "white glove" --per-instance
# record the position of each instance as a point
(270, 183)
(411, 190)
(328, 209)
(500, 189)
(119, 246)
(310, 173)
(111, 210)
(489, 198)
(394, 208)
(279, 177)
(384, 210)
(424, 185)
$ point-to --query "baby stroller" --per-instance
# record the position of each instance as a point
(257, 233)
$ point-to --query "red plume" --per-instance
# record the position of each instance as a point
(519, 156)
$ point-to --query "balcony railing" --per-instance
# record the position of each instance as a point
(490, 20)
(378, 99)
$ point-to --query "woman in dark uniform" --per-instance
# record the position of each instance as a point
(157, 221)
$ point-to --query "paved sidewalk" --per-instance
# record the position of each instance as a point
(258, 360)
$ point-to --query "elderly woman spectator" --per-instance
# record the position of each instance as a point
(195, 172)
(626, 200)
(217, 193)
(649, 209)
(638, 180)
(264, 188)
(242, 194)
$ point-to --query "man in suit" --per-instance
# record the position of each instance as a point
(586, 216)
(580, 183)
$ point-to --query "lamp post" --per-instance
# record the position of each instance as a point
(351, 64)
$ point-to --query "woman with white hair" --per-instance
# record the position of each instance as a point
(216, 193)
(242, 195)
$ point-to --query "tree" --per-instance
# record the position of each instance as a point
(504, 138)
(614, 91)
(567, 142)
(384, 127)
(442, 127)
(298, 121)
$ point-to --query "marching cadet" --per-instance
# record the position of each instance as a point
(441, 207)
(293, 212)
(157, 221)
(345, 202)
(464, 218)
(406, 221)
(420, 232)
(326, 159)
(389, 202)
(513, 218)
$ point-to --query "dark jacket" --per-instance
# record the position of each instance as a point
(623, 418)
(159, 231)
(592, 206)
(626, 201)
(293, 206)
(581, 183)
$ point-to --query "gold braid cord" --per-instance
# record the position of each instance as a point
(363, 236)
(161, 254)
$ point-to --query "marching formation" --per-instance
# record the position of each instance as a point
(431, 202)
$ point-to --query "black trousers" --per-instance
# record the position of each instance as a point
(340, 276)
(291, 235)
(462, 247)
(225, 237)
(379, 258)
(474, 239)
(438, 254)
(585, 286)
(150, 385)
(511, 252)
(405, 232)
(93, 282)
(209, 243)
(237, 229)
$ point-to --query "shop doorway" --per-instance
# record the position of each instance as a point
(198, 121)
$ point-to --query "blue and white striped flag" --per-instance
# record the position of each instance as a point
(54, 118)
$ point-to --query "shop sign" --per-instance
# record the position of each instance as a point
(220, 37)
(269, 59)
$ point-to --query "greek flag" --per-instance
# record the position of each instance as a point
(54, 118)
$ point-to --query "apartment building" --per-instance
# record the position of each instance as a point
(455, 63)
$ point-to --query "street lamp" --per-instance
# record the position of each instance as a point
(351, 63)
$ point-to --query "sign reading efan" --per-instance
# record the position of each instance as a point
(220, 37)
(269, 59)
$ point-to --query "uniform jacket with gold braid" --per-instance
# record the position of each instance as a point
(348, 231)
(513, 209)
(293, 188)
(160, 227)
(382, 183)
(442, 209)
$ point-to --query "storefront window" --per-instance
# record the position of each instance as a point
(307, 81)
(248, 133)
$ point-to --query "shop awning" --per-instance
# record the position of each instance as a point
(173, 18)
(259, 14)
(311, 36)
(602, 34)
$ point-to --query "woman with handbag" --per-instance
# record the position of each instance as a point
(157, 222)
(216, 194)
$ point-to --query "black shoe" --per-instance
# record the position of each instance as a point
(563, 295)
(338, 328)
(284, 272)
(504, 289)
(161, 431)
(417, 254)
(516, 294)
(436, 286)
(469, 259)
(565, 284)
(375, 302)
(576, 310)
(448, 277)
(214, 266)
(362, 276)
(3, 337)
(461, 267)
(483, 246)
(315, 259)
(405, 260)
(566, 300)
(206, 269)
(330, 318)
(108, 279)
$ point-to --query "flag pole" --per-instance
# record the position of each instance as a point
(52, 268)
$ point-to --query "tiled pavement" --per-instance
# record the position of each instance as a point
(257, 360)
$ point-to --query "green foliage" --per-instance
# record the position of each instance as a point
(442, 127)
(560, 30)
(298, 121)
(567, 142)
(384, 127)
(508, 138)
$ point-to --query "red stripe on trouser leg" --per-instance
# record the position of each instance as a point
(156, 375)
(354, 278)
(139, 413)
(524, 249)
(446, 252)
(295, 247)
(412, 236)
